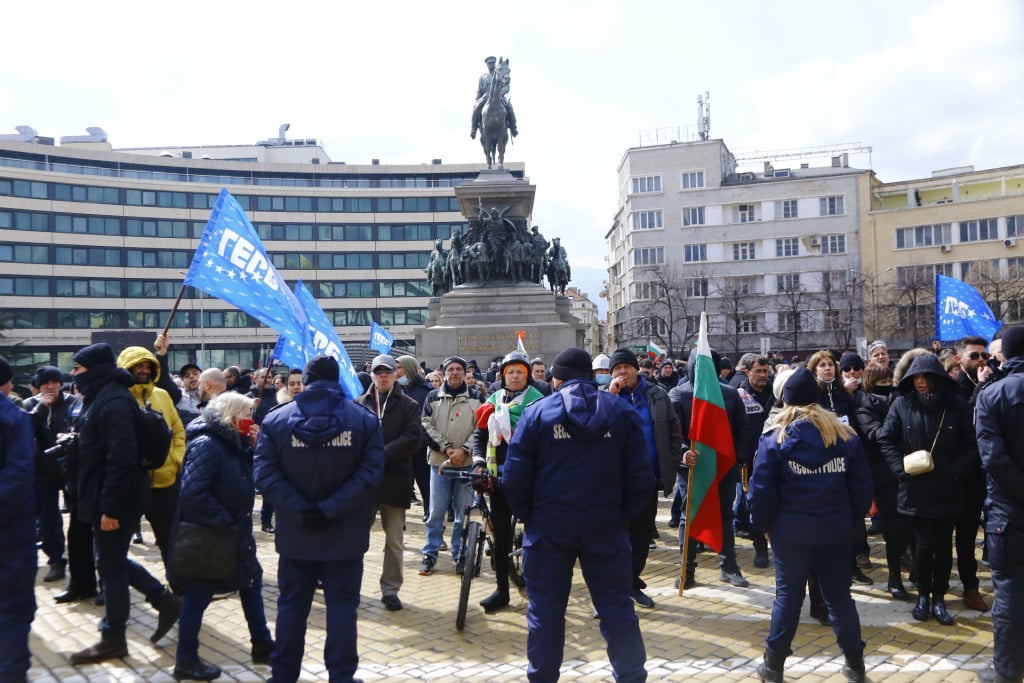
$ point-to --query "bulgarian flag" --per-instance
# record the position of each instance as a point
(654, 351)
(711, 438)
(520, 336)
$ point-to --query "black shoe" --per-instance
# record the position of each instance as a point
(391, 603)
(941, 615)
(167, 616)
(100, 600)
(137, 538)
(107, 648)
(735, 578)
(495, 601)
(196, 671)
(898, 592)
(761, 560)
(261, 651)
(642, 599)
(862, 578)
(267, 528)
(56, 573)
(820, 612)
(689, 582)
(673, 523)
(73, 595)
(923, 610)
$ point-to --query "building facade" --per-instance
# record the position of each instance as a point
(585, 310)
(96, 241)
(767, 253)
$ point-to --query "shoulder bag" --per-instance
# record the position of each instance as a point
(921, 462)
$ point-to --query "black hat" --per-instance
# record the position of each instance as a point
(6, 372)
(801, 388)
(573, 363)
(188, 366)
(453, 359)
(1013, 342)
(321, 367)
(851, 360)
(623, 356)
(47, 373)
(94, 355)
(725, 363)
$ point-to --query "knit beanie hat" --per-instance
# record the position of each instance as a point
(94, 355)
(801, 388)
(573, 363)
(623, 356)
(321, 367)
(6, 372)
(48, 373)
(851, 360)
(1013, 342)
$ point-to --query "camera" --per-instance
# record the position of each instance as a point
(66, 444)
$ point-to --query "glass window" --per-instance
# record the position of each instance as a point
(832, 206)
(647, 220)
(695, 252)
(789, 246)
(23, 253)
(788, 282)
(646, 183)
(647, 256)
(691, 180)
(979, 230)
(833, 244)
(743, 251)
(745, 213)
(693, 215)
(787, 208)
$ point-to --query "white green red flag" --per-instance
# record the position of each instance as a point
(711, 438)
(520, 346)
(655, 351)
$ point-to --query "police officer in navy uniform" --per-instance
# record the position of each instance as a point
(998, 414)
(577, 473)
(319, 459)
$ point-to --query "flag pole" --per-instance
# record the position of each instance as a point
(174, 309)
(684, 551)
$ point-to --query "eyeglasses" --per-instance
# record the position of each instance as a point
(975, 355)
(851, 368)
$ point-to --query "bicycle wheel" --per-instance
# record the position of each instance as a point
(469, 569)
(515, 559)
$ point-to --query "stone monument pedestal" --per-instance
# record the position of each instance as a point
(481, 323)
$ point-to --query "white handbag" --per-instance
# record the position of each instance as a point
(921, 462)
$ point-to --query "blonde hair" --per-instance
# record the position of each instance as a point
(231, 404)
(825, 421)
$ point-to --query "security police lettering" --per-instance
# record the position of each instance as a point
(831, 467)
(561, 432)
(341, 440)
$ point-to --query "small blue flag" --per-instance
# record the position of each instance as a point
(960, 311)
(380, 339)
(231, 264)
(321, 339)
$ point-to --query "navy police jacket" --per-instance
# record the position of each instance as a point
(321, 449)
(804, 492)
(577, 466)
(999, 414)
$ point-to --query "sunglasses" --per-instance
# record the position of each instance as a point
(851, 368)
(975, 355)
(383, 371)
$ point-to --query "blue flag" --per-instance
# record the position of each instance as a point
(319, 338)
(960, 311)
(231, 264)
(380, 339)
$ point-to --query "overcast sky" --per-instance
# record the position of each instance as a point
(927, 85)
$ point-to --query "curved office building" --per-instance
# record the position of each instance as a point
(94, 243)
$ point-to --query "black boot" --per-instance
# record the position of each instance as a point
(167, 616)
(495, 601)
(261, 651)
(770, 670)
(854, 669)
(923, 610)
(941, 615)
(109, 647)
(196, 671)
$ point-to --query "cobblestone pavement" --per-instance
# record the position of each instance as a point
(714, 633)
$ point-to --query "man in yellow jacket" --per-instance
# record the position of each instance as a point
(143, 365)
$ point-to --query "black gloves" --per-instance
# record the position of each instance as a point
(313, 518)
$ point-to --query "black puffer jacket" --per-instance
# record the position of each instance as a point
(870, 418)
(912, 424)
(217, 491)
(403, 441)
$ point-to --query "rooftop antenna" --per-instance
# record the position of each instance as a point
(704, 115)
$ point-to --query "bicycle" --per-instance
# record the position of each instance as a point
(515, 558)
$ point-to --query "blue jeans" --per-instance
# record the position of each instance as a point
(442, 490)
(118, 573)
(193, 605)
(794, 562)
(50, 522)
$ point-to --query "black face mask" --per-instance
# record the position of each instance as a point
(884, 390)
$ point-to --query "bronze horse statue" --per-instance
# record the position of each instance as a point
(494, 133)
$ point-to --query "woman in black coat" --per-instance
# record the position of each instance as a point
(929, 415)
(872, 407)
(217, 491)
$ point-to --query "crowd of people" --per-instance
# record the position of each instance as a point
(578, 450)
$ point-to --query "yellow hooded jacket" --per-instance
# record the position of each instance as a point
(159, 400)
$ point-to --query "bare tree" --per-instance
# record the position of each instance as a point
(734, 300)
(673, 300)
(912, 297)
(840, 307)
(793, 309)
(1002, 293)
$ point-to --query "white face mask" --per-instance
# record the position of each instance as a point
(403, 380)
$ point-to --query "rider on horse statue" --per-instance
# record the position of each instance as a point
(483, 87)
